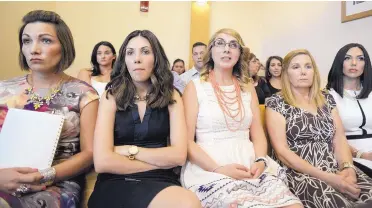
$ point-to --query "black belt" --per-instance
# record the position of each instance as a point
(363, 136)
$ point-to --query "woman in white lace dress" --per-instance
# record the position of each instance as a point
(227, 163)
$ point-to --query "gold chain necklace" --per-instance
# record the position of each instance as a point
(139, 98)
(38, 100)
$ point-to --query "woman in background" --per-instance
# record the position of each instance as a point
(178, 66)
(273, 73)
(259, 83)
(102, 59)
(177, 69)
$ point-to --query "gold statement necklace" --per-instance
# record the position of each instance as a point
(38, 100)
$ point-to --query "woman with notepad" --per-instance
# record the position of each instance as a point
(46, 50)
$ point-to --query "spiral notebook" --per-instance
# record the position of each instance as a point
(29, 139)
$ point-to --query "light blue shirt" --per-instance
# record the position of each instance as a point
(190, 75)
(178, 82)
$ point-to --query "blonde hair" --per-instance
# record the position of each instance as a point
(315, 92)
(240, 70)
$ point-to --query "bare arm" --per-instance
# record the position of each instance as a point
(85, 75)
(105, 159)
(342, 151)
(256, 131)
(173, 155)
(195, 153)
(365, 155)
(276, 128)
(81, 161)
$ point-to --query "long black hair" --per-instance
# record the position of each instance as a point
(122, 87)
(93, 60)
(336, 74)
(268, 62)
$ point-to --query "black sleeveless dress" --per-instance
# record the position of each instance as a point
(138, 189)
(272, 89)
(262, 91)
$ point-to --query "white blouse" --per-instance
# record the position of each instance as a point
(99, 86)
(356, 116)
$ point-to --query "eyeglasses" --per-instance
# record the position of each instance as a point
(221, 43)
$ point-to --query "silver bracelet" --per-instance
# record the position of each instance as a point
(49, 175)
(217, 168)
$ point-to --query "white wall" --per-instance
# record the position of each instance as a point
(11, 14)
(275, 28)
(315, 26)
(91, 22)
(268, 28)
(240, 16)
(113, 21)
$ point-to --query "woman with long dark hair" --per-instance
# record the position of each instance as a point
(141, 132)
(102, 59)
(273, 73)
(350, 83)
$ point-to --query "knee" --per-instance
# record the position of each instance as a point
(190, 200)
(296, 206)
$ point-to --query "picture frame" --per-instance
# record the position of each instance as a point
(353, 10)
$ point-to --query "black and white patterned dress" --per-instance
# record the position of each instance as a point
(311, 137)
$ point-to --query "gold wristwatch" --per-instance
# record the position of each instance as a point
(132, 151)
(347, 165)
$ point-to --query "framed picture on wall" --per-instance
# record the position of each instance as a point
(353, 10)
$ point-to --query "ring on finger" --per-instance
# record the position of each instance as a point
(22, 189)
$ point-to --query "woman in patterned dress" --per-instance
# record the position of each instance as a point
(47, 49)
(307, 135)
(227, 163)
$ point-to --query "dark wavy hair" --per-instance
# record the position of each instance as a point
(267, 72)
(177, 60)
(64, 36)
(122, 87)
(96, 71)
(336, 74)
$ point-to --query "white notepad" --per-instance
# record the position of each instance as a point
(29, 139)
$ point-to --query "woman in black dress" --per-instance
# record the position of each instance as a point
(307, 135)
(140, 132)
(273, 73)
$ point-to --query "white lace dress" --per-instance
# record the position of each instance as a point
(226, 147)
